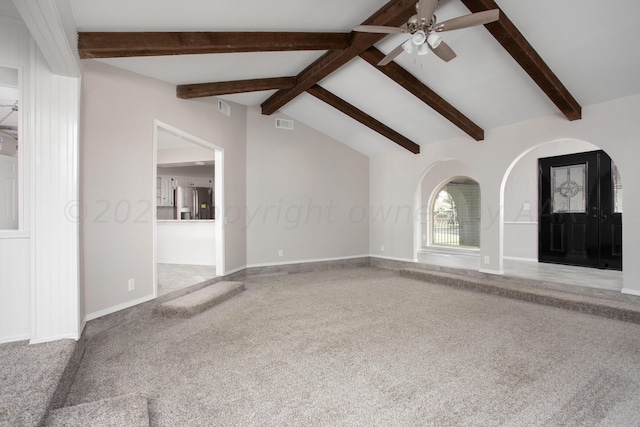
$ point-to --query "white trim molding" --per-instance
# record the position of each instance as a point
(516, 258)
(75, 337)
(52, 32)
(629, 291)
(111, 310)
(496, 272)
(304, 261)
(390, 258)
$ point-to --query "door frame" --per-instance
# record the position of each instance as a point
(218, 197)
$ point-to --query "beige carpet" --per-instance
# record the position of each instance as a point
(367, 347)
(29, 380)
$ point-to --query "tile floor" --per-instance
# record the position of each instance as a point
(172, 277)
(566, 274)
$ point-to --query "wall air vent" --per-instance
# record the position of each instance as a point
(224, 108)
(284, 124)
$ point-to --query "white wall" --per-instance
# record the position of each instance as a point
(186, 242)
(39, 296)
(307, 195)
(15, 295)
(55, 248)
(15, 257)
(119, 109)
(611, 126)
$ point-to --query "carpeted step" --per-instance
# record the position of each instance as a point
(196, 302)
(127, 410)
(30, 378)
(612, 309)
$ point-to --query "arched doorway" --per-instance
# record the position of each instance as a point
(520, 203)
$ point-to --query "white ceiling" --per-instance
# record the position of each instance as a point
(592, 49)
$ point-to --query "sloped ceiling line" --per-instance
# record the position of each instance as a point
(405, 79)
(394, 13)
(362, 117)
(506, 33)
(341, 48)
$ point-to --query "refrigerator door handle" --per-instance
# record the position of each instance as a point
(196, 206)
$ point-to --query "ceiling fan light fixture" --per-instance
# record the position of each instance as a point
(434, 40)
(408, 46)
(419, 37)
(423, 49)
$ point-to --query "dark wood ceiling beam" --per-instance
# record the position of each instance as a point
(394, 13)
(201, 90)
(519, 48)
(362, 117)
(127, 44)
(405, 79)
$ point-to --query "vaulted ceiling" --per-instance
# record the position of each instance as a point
(302, 58)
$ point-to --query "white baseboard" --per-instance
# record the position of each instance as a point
(448, 250)
(235, 270)
(75, 337)
(119, 307)
(628, 291)
(392, 258)
(515, 258)
(14, 338)
(498, 272)
(305, 261)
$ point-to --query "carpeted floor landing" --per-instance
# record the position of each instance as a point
(365, 346)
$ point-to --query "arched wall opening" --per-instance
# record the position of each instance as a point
(519, 197)
(435, 177)
(455, 214)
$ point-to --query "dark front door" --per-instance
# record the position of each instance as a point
(580, 222)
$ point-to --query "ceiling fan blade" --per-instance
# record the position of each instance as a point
(444, 51)
(426, 9)
(471, 20)
(380, 29)
(391, 56)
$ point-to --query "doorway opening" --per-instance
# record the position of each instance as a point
(188, 226)
(580, 216)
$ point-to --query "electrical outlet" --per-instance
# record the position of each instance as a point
(486, 260)
(280, 252)
(381, 248)
(132, 284)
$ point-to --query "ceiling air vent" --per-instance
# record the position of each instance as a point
(284, 124)
(224, 108)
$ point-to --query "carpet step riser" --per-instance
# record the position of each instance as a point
(579, 306)
(195, 303)
(128, 410)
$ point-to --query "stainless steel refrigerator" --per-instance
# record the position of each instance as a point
(193, 203)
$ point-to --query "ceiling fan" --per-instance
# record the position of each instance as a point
(423, 28)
